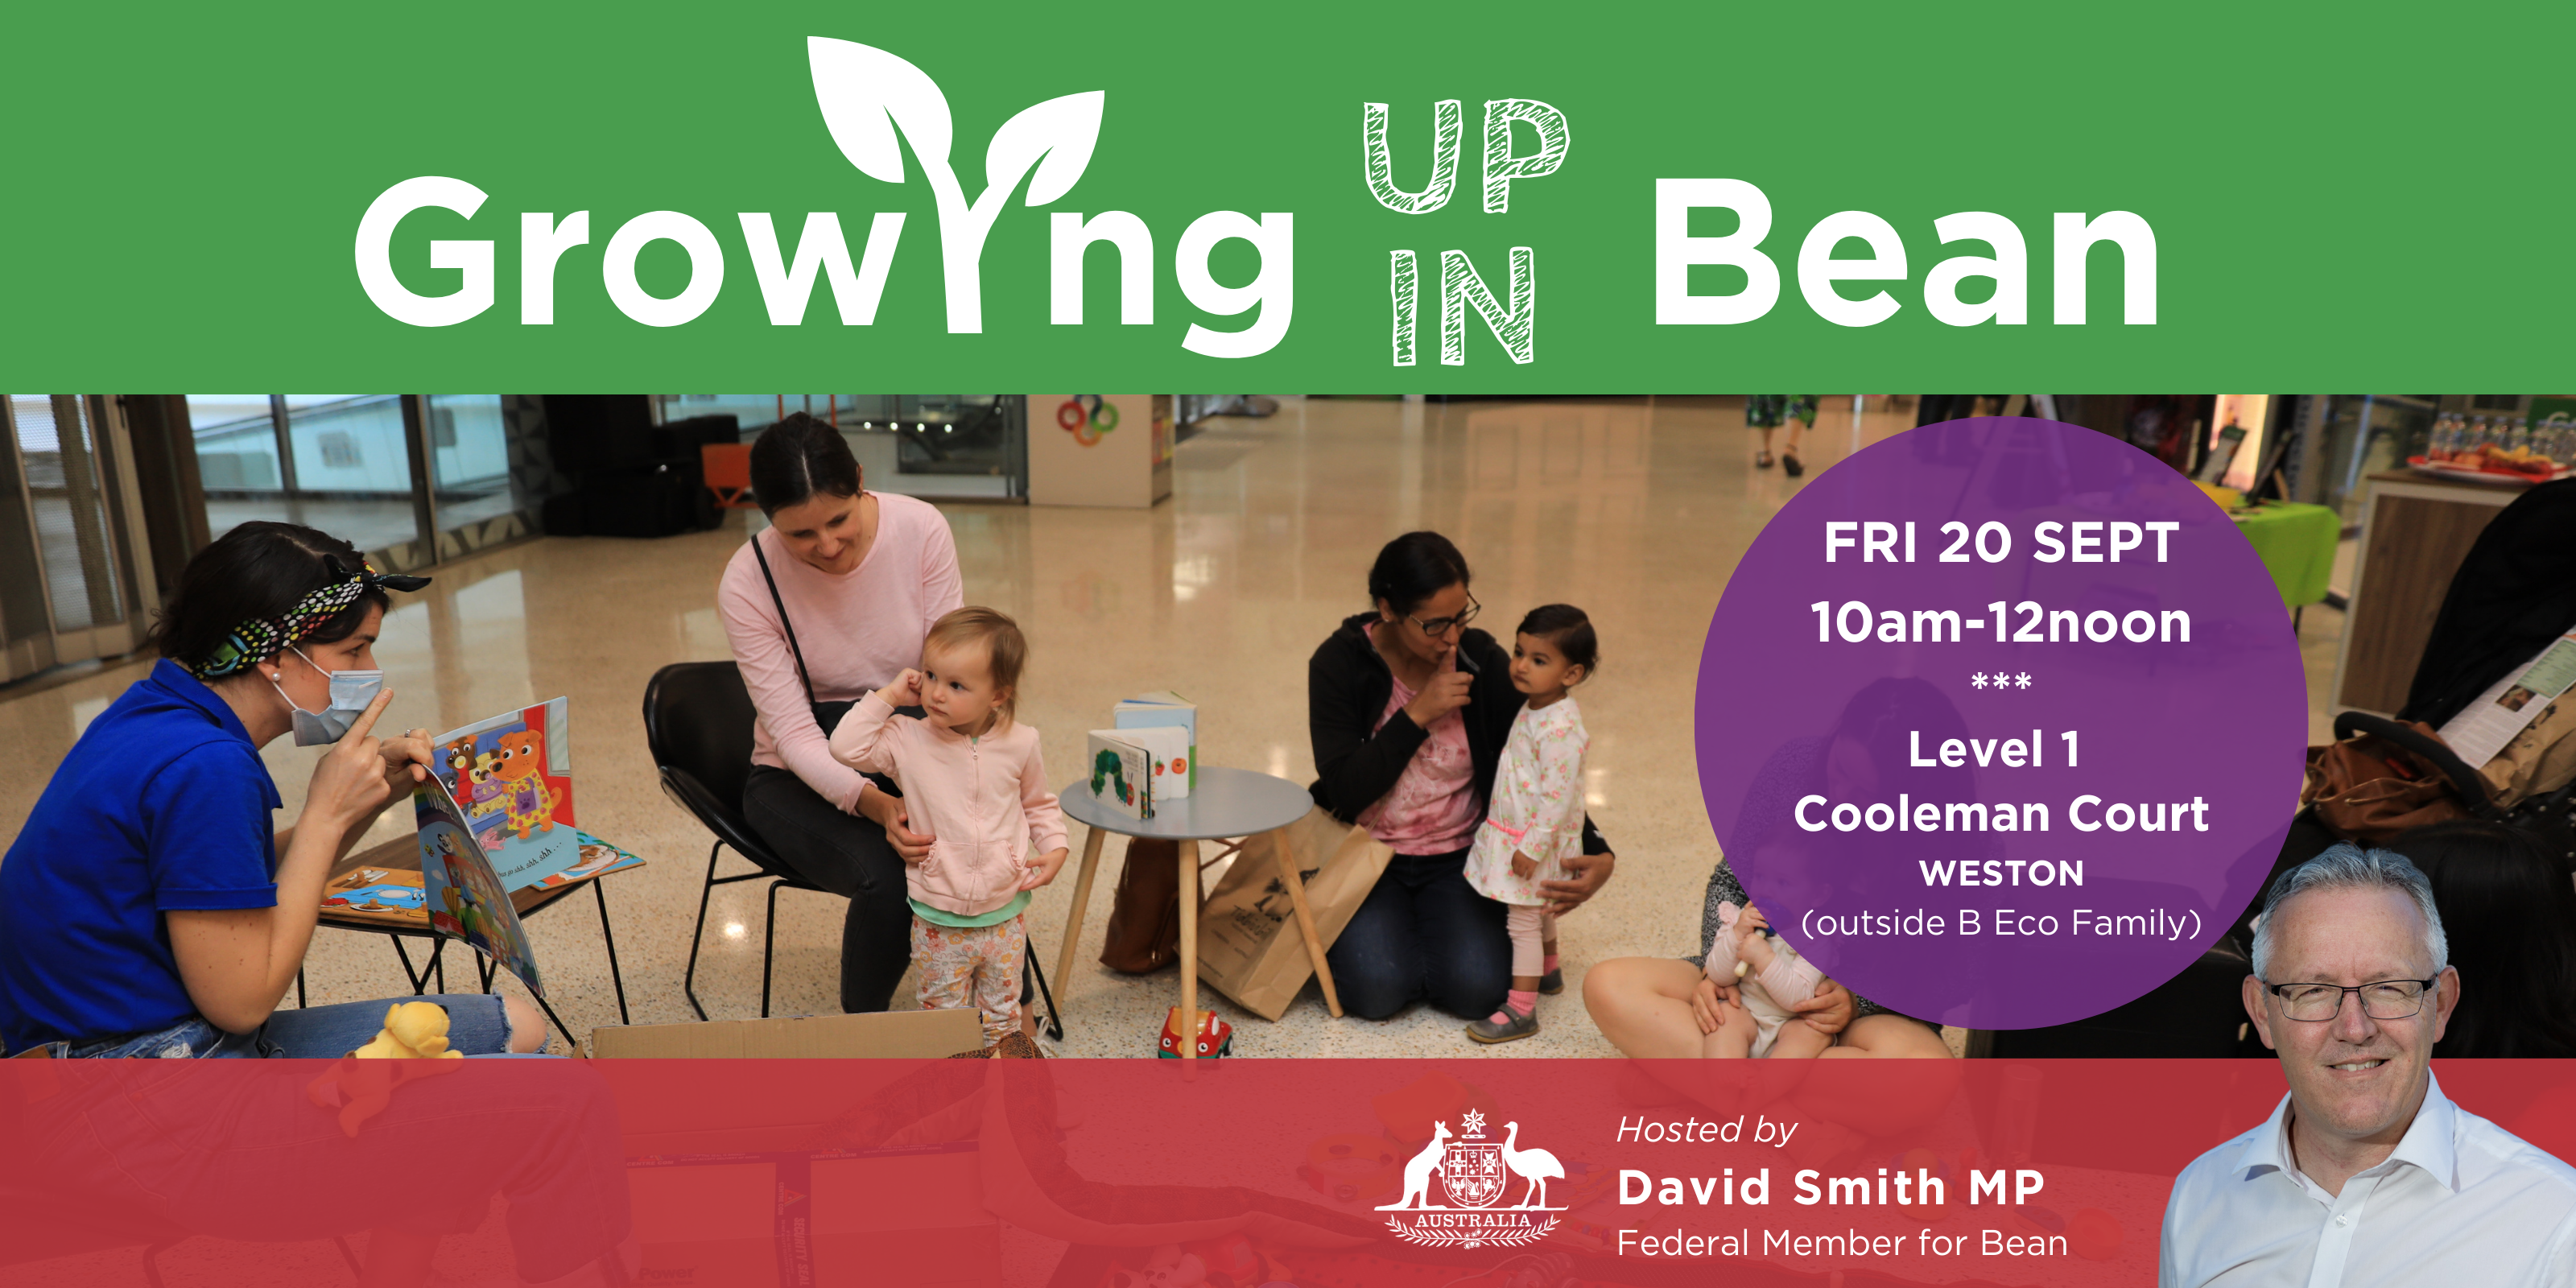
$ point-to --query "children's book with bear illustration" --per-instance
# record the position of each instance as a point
(511, 775)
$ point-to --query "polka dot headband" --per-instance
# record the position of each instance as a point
(263, 637)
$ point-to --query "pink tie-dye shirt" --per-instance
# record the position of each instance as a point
(1432, 808)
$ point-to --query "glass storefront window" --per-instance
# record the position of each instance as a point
(66, 580)
(2363, 435)
(236, 446)
(469, 453)
(351, 475)
(57, 450)
(337, 462)
(958, 446)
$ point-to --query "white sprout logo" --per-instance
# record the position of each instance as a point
(875, 105)
(867, 94)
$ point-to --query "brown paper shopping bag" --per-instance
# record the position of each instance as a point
(1249, 947)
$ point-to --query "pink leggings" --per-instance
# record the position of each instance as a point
(1530, 927)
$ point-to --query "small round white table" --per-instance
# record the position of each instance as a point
(1222, 803)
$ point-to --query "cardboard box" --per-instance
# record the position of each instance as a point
(790, 1218)
(885, 1035)
(734, 1187)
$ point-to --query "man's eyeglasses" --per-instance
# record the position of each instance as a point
(1438, 626)
(2387, 999)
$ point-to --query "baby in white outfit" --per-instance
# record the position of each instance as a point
(1767, 975)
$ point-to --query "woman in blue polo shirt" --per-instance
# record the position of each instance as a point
(148, 906)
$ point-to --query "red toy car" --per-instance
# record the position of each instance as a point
(1215, 1037)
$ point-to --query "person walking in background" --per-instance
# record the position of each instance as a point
(1767, 412)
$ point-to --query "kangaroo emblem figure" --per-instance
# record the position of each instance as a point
(1417, 1172)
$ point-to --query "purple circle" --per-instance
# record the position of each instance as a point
(1823, 760)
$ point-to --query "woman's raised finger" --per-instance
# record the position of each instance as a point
(365, 724)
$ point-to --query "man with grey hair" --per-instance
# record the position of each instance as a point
(2366, 1174)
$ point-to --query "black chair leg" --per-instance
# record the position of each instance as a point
(560, 1026)
(689, 980)
(420, 981)
(1055, 1017)
(152, 1261)
(769, 948)
(609, 937)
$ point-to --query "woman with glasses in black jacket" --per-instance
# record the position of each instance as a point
(1409, 707)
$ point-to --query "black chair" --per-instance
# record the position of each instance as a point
(697, 721)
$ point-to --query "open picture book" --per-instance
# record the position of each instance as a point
(494, 829)
(512, 777)
(462, 892)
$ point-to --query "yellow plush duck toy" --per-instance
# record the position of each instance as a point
(413, 1031)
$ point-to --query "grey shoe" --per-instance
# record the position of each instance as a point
(1553, 982)
(1519, 1026)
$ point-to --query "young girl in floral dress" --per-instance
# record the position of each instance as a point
(1535, 816)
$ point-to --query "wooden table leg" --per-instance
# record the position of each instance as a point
(1305, 920)
(1081, 900)
(1189, 950)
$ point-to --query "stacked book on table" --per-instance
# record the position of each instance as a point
(1150, 758)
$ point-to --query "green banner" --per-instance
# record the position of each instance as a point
(1540, 199)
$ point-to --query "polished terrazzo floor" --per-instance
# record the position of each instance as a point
(1635, 509)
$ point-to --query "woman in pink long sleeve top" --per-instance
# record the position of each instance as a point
(862, 575)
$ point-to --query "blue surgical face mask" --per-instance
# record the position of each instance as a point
(351, 692)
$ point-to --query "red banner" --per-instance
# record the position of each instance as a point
(1133, 1174)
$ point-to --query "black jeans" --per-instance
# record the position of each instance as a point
(848, 855)
(1423, 933)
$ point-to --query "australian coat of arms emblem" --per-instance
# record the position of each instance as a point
(1476, 1173)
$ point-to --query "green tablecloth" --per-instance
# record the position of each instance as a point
(2297, 543)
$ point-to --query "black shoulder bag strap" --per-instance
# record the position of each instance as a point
(827, 715)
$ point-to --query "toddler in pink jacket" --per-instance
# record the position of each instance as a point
(972, 781)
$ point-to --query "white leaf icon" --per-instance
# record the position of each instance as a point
(859, 87)
(868, 95)
(1057, 136)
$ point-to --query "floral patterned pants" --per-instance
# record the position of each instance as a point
(976, 966)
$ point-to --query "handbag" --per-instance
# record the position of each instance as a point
(2383, 778)
(826, 714)
(1144, 932)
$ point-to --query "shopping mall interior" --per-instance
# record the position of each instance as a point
(1634, 508)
